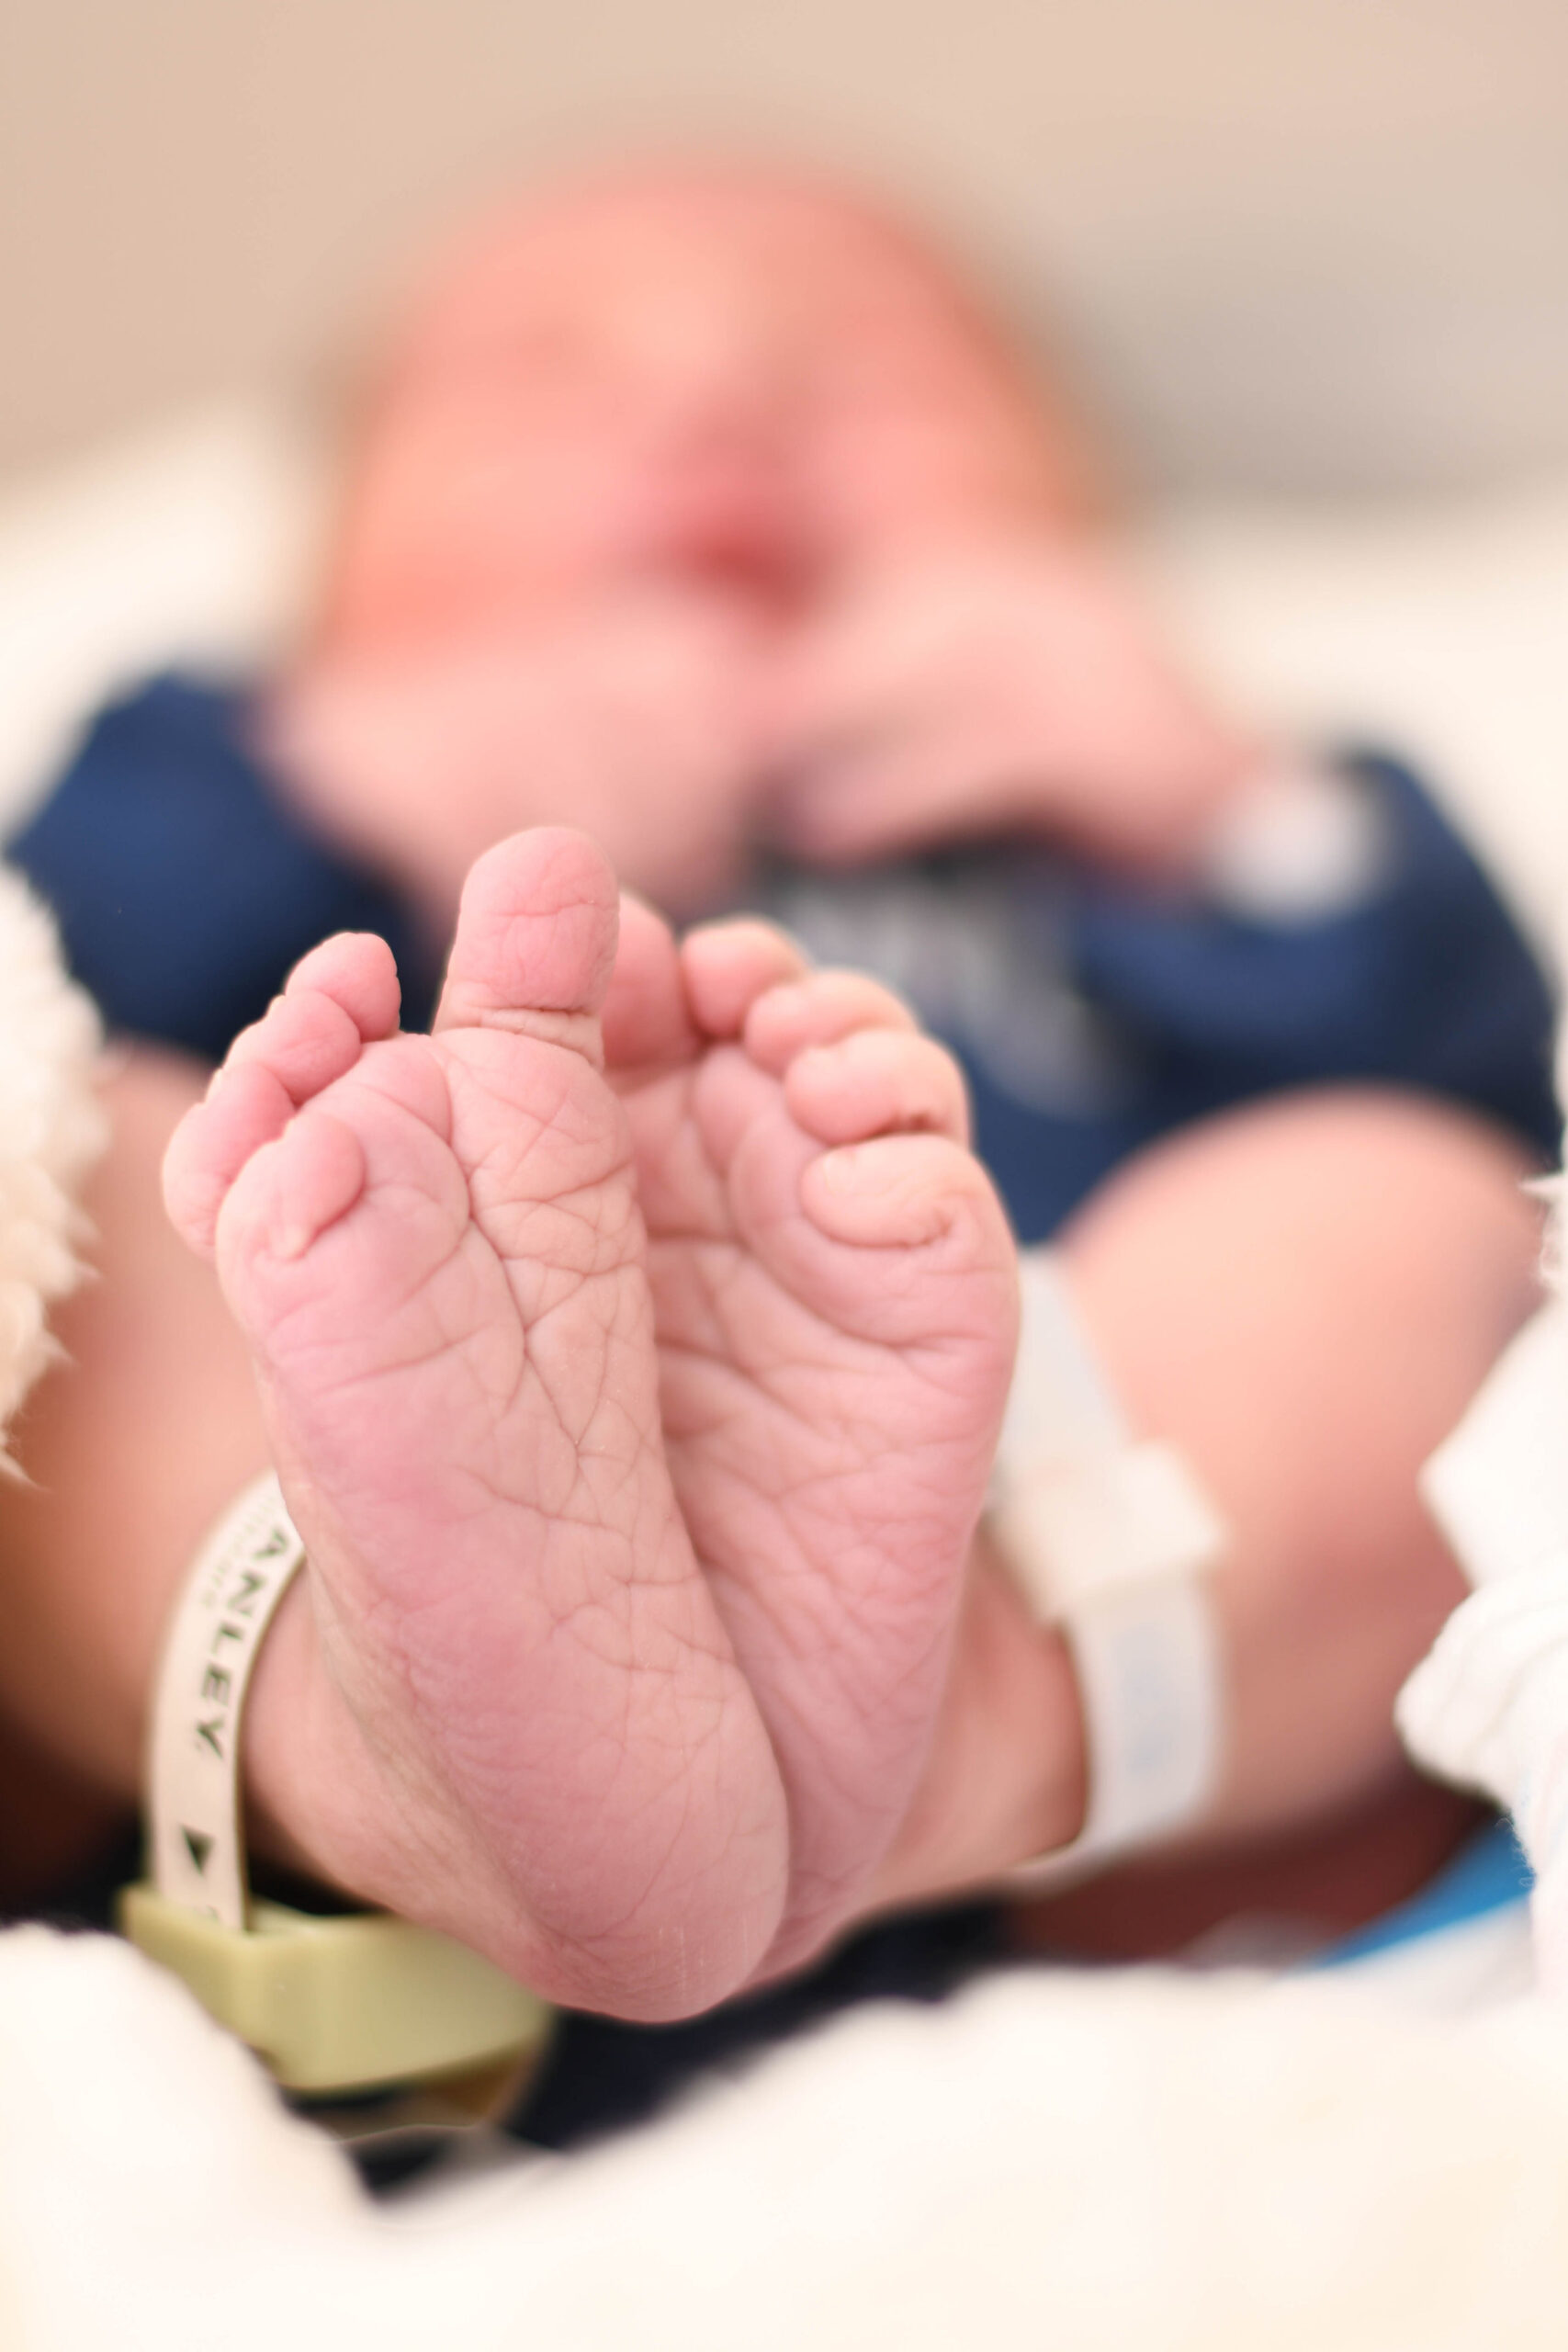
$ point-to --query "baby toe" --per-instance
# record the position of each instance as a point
(898, 1191)
(877, 1081)
(304, 1041)
(817, 1010)
(536, 940)
(292, 1189)
(247, 1106)
(646, 1019)
(728, 966)
(356, 969)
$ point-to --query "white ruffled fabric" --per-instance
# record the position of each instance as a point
(51, 1129)
(1488, 1708)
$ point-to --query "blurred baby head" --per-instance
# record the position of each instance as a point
(733, 379)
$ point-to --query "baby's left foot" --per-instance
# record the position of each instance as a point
(835, 1293)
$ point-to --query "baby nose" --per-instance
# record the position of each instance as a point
(716, 473)
(721, 513)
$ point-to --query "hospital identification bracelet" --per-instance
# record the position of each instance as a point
(1112, 1540)
(345, 2004)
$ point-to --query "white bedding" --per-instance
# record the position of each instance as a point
(1126, 2159)
(1089, 2163)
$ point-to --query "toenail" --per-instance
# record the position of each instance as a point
(846, 1171)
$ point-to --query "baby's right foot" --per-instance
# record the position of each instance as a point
(504, 1702)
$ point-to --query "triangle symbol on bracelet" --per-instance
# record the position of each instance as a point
(200, 1845)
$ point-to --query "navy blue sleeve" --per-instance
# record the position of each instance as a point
(184, 888)
(1093, 1015)
(1426, 983)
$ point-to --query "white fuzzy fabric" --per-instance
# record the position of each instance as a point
(1091, 2162)
(51, 1129)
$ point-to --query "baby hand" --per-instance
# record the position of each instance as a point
(988, 686)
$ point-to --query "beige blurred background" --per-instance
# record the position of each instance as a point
(1299, 244)
(1311, 255)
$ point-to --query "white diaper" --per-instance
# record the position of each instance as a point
(1488, 1708)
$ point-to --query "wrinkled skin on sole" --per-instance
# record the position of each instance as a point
(632, 1350)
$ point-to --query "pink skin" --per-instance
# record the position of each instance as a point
(666, 479)
(1000, 684)
(638, 1718)
(734, 377)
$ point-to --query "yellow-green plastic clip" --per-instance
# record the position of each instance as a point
(349, 2004)
(345, 2007)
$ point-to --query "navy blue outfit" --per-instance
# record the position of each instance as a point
(1090, 1016)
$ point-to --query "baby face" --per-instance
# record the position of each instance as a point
(729, 381)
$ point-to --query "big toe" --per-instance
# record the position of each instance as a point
(536, 940)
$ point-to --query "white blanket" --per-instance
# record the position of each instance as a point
(1089, 2163)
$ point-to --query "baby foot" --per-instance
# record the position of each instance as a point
(835, 1292)
(517, 1703)
(507, 1704)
